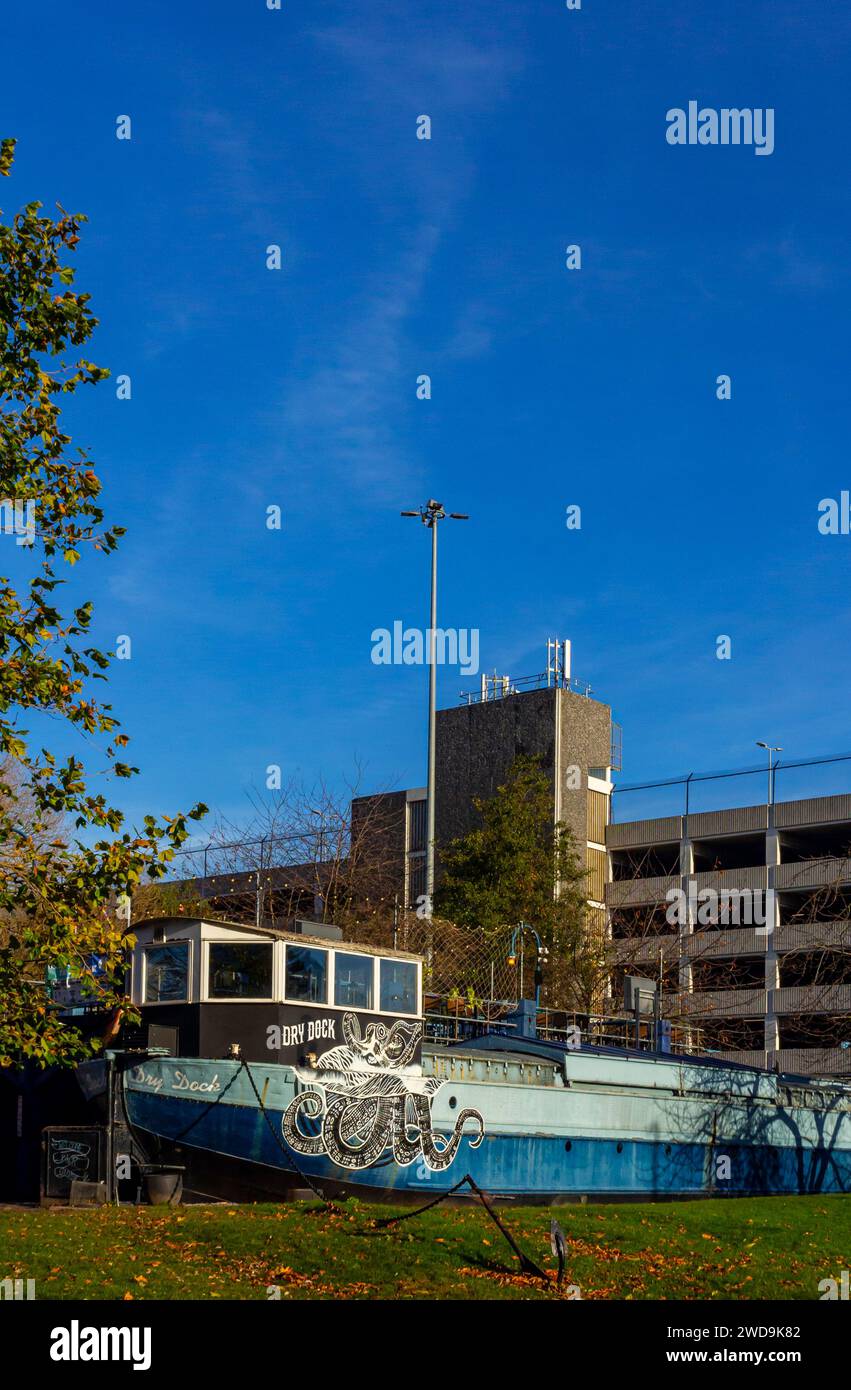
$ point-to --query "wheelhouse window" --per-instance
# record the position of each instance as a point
(239, 970)
(167, 973)
(353, 980)
(307, 974)
(398, 988)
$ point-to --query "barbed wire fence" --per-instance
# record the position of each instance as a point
(271, 881)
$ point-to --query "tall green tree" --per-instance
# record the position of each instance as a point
(520, 866)
(517, 865)
(57, 891)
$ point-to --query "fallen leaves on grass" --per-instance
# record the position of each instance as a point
(506, 1279)
(291, 1279)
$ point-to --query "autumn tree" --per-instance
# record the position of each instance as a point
(57, 891)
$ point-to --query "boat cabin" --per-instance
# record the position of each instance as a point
(202, 986)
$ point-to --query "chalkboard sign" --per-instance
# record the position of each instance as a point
(70, 1153)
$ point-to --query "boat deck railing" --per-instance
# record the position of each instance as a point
(452, 1020)
(616, 1030)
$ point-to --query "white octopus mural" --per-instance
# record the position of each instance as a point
(362, 1103)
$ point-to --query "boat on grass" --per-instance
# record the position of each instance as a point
(270, 1061)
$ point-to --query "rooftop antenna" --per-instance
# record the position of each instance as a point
(553, 647)
(558, 662)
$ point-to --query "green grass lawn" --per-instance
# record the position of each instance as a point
(770, 1247)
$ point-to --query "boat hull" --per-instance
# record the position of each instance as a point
(645, 1133)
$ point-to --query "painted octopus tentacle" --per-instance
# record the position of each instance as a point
(440, 1158)
(356, 1116)
(402, 1043)
(470, 1114)
(351, 1031)
(349, 1156)
(311, 1104)
(405, 1150)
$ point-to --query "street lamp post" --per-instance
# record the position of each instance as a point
(770, 749)
(430, 515)
(540, 958)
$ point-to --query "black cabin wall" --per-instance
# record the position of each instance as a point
(207, 1030)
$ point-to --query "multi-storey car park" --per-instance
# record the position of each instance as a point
(768, 981)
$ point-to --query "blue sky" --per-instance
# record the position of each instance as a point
(297, 387)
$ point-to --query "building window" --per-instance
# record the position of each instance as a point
(596, 880)
(398, 986)
(353, 981)
(307, 974)
(240, 971)
(416, 880)
(167, 973)
(598, 815)
(417, 826)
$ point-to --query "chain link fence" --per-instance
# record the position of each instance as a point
(465, 961)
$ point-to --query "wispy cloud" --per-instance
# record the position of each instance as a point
(343, 412)
(348, 410)
(233, 155)
(173, 315)
(790, 264)
(458, 74)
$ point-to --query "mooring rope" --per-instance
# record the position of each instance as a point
(173, 1138)
(527, 1265)
(284, 1147)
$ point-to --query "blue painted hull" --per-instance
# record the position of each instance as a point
(609, 1132)
(534, 1168)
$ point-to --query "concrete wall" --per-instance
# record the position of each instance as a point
(378, 840)
(476, 745)
(585, 739)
